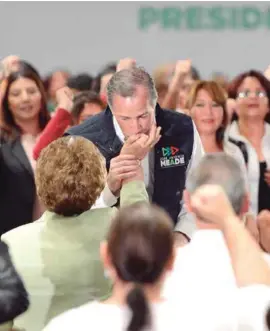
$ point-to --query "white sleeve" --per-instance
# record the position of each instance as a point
(106, 199)
(186, 221)
(197, 152)
(251, 306)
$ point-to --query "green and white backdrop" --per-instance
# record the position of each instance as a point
(217, 36)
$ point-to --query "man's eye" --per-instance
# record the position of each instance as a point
(144, 115)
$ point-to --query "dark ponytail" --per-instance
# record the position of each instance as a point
(138, 305)
(140, 244)
(267, 318)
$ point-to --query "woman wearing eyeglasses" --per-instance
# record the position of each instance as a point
(250, 132)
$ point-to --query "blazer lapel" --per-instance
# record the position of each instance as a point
(21, 156)
(113, 142)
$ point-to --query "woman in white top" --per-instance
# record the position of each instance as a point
(250, 132)
(207, 104)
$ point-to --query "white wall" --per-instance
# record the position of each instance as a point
(86, 35)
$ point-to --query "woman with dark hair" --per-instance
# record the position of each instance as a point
(23, 116)
(23, 104)
(250, 132)
(137, 256)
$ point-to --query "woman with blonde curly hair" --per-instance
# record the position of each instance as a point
(58, 256)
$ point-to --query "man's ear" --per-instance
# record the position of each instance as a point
(186, 197)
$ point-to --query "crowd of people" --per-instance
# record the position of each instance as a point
(132, 201)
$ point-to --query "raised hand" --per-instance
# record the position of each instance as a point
(126, 63)
(210, 204)
(182, 67)
(64, 98)
(121, 167)
(9, 64)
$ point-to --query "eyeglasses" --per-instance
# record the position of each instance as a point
(247, 93)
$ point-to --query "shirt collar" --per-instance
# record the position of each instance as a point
(118, 130)
(233, 131)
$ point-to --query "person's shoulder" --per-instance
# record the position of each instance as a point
(74, 318)
(89, 127)
(3, 248)
(166, 314)
(100, 216)
(232, 131)
(232, 149)
(177, 123)
(22, 233)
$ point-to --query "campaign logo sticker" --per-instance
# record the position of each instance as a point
(171, 157)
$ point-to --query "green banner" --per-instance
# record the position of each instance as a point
(204, 18)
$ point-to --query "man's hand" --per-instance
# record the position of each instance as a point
(64, 98)
(121, 167)
(263, 221)
(139, 145)
(126, 63)
(211, 205)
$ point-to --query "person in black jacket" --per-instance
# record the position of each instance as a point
(133, 112)
(23, 115)
(13, 296)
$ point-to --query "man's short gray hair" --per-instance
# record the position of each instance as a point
(124, 83)
(220, 169)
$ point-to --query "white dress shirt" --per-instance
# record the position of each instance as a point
(186, 221)
(202, 268)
